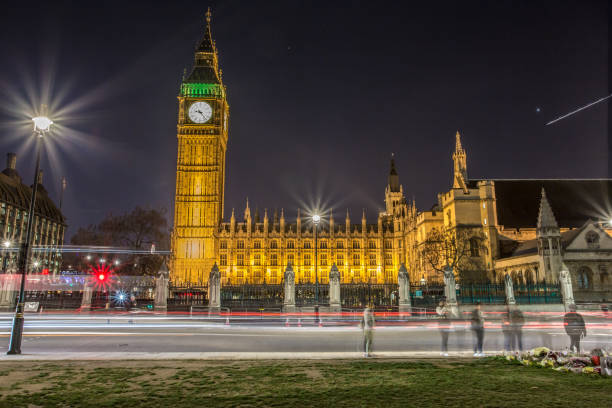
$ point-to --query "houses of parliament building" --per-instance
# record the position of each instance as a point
(505, 215)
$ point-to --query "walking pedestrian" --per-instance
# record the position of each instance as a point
(477, 321)
(444, 324)
(517, 321)
(367, 325)
(506, 327)
(574, 327)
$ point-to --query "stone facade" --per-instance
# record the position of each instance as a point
(48, 229)
(257, 248)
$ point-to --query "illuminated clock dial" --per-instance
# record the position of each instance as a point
(200, 112)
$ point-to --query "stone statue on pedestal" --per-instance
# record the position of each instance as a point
(86, 300)
(214, 288)
(404, 289)
(509, 290)
(450, 290)
(289, 300)
(565, 281)
(334, 289)
(161, 288)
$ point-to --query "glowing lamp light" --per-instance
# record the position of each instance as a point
(101, 277)
(36, 264)
(117, 262)
(88, 257)
(316, 219)
(6, 244)
(42, 123)
(610, 222)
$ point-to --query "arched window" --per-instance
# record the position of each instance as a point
(584, 277)
(372, 244)
(474, 247)
(290, 245)
(257, 244)
(273, 244)
(306, 244)
(340, 244)
(592, 239)
(355, 244)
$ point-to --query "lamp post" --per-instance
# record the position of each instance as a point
(315, 220)
(41, 127)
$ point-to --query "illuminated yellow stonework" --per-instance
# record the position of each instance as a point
(200, 169)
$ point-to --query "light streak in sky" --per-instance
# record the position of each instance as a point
(578, 110)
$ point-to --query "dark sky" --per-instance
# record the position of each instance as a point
(321, 93)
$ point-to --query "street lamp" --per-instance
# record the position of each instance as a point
(315, 220)
(41, 128)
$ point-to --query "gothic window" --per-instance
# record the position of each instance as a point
(356, 260)
(257, 244)
(372, 244)
(474, 247)
(388, 244)
(323, 245)
(290, 245)
(399, 243)
(373, 273)
(240, 260)
(388, 260)
(340, 245)
(603, 273)
(290, 259)
(306, 244)
(273, 259)
(323, 261)
(223, 244)
(306, 260)
(584, 277)
(257, 260)
(241, 244)
(372, 260)
(355, 244)
(592, 239)
(340, 260)
(223, 260)
(273, 244)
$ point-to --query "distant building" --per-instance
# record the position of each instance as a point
(48, 229)
(498, 218)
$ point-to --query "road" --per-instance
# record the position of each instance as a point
(148, 333)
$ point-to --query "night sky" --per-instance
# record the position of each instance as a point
(320, 93)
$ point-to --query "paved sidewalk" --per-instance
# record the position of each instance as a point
(233, 356)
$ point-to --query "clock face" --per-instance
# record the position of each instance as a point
(200, 112)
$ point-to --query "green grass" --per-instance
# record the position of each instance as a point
(486, 382)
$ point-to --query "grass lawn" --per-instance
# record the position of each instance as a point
(388, 383)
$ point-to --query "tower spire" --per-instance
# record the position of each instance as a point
(394, 185)
(546, 218)
(460, 165)
(206, 65)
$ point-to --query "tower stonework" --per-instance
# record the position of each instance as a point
(202, 134)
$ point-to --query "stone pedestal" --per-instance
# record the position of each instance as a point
(403, 281)
(161, 289)
(450, 291)
(565, 281)
(334, 290)
(8, 290)
(86, 300)
(214, 289)
(509, 290)
(289, 298)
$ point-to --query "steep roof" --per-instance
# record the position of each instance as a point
(573, 201)
(15, 193)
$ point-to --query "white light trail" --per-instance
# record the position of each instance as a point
(579, 109)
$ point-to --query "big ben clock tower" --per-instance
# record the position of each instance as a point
(200, 165)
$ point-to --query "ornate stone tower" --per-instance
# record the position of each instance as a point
(549, 242)
(459, 165)
(200, 166)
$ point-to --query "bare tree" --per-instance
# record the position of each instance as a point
(460, 249)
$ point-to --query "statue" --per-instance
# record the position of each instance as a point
(214, 288)
(404, 289)
(565, 282)
(86, 299)
(450, 290)
(289, 300)
(509, 290)
(161, 288)
(334, 289)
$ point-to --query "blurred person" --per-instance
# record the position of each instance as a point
(517, 320)
(367, 325)
(444, 323)
(506, 327)
(477, 325)
(574, 327)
